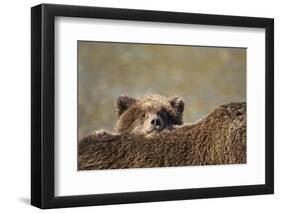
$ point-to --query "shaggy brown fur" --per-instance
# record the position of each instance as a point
(220, 138)
(148, 114)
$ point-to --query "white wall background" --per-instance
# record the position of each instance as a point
(15, 106)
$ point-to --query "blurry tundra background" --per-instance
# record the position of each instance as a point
(204, 76)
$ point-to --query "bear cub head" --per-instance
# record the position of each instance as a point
(149, 114)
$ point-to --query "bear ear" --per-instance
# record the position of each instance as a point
(177, 103)
(123, 103)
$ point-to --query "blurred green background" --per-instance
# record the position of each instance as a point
(204, 76)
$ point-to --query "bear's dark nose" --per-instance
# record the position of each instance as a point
(155, 122)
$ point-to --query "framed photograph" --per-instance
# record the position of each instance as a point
(136, 106)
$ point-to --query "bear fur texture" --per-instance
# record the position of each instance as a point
(149, 114)
(219, 138)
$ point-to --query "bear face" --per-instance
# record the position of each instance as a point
(149, 114)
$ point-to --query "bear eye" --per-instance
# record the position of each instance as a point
(163, 113)
(143, 115)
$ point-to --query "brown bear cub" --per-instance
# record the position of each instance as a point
(218, 138)
(149, 114)
(150, 133)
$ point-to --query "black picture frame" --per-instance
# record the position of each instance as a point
(43, 102)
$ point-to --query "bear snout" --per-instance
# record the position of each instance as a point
(155, 122)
